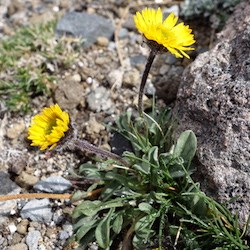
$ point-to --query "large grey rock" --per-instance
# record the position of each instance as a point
(37, 210)
(87, 26)
(53, 184)
(214, 101)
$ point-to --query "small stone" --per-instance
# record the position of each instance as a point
(164, 69)
(53, 184)
(16, 238)
(102, 41)
(32, 239)
(19, 246)
(63, 235)
(131, 78)
(101, 60)
(26, 180)
(123, 33)
(15, 130)
(115, 77)
(37, 210)
(12, 228)
(99, 99)
(68, 228)
(94, 127)
(76, 78)
(22, 227)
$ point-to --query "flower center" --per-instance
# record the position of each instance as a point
(50, 126)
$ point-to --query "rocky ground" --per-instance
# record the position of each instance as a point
(100, 83)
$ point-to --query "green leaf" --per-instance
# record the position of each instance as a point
(186, 146)
(102, 232)
(85, 225)
(143, 168)
(153, 156)
(145, 207)
(117, 225)
(88, 208)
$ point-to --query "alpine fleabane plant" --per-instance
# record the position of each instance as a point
(48, 127)
(162, 36)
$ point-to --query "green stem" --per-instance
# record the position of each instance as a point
(150, 60)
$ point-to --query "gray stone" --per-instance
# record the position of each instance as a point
(32, 239)
(53, 184)
(87, 26)
(213, 101)
(99, 99)
(37, 210)
(8, 187)
(63, 235)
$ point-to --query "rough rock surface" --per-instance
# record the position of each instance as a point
(87, 26)
(214, 101)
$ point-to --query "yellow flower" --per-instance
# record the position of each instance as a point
(48, 127)
(175, 38)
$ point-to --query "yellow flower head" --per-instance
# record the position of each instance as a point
(48, 127)
(175, 38)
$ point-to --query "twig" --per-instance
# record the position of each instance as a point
(34, 196)
(45, 195)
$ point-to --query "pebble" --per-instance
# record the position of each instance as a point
(99, 99)
(32, 239)
(123, 33)
(26, 180)
(12, 227)
(131, 78)
(68, 228)
(53, 184)
(22, 227)
(37, 210)
(76, 78)
(164, 69)
(19, 246)
(15, 130)
(115, 77)
(102, 41)
(94, 127)
(63, 235)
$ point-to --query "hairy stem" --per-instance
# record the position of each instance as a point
(86, 146)
(150, 60)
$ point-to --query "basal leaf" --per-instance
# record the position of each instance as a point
(186, 146)
(117, 225)
(102, 232)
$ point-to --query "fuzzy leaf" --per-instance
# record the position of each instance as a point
(145, 207)
(86, 225)
(186, 146)
(102, 232)
(117, 225)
